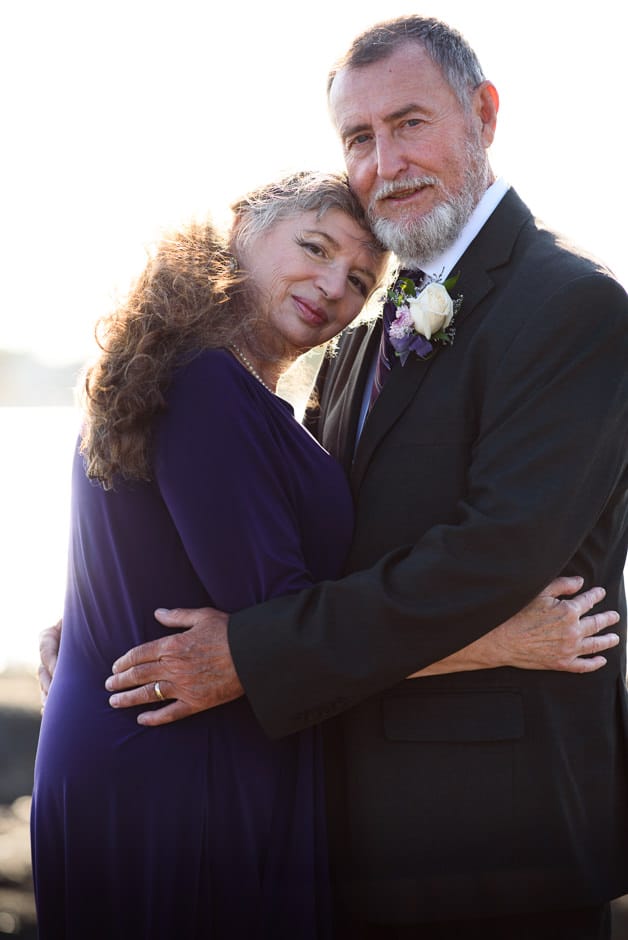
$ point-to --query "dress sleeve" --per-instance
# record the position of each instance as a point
(224, 485)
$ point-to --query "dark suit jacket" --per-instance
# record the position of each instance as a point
(480, 475)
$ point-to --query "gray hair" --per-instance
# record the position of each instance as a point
(446, 47)
(305, 191)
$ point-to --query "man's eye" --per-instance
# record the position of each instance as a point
(358, 140)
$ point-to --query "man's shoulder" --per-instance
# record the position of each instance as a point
(543, 246)
(530, 264)
(554, 267)
(551, 290)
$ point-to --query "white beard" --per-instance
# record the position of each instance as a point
(416, 241)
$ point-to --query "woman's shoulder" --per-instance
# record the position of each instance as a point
(207, 401)
(213, 382)
(207, 363)
(207, 373)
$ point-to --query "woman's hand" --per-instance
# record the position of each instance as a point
(549, 633)
(49, 642)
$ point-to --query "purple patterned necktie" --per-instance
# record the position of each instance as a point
(386, 358)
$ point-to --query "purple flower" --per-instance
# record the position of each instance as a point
(404, 339)
(402, 324)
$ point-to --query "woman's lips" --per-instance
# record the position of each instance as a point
(311, 313)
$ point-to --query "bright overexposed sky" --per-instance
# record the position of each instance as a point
(122, 117)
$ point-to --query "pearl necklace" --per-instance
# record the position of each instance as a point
(248, 365)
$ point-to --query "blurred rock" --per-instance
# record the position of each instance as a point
(15, 859)
(19, 728)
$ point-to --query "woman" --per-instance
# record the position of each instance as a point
(194, 485)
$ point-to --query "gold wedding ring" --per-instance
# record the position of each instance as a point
(160, 695)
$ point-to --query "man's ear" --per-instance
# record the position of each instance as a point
(486, 106)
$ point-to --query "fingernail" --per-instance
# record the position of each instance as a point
(113, 700)
(162, 610)
(109, 684)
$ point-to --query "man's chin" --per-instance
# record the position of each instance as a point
(408, 212)
(401, 222)
(399, 235)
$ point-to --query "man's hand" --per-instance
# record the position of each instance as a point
(49, 642)
(193, 668)
(549, 633)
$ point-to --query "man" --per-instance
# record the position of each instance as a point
(486, 803)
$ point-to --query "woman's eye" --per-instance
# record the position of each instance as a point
(359, 285)
(313, 248)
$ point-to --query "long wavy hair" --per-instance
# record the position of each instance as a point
(190, 297)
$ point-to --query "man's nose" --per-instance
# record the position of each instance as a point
(391, 159)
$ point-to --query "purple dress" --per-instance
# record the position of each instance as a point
(204, 828)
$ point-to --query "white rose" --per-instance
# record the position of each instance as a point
(432, 310)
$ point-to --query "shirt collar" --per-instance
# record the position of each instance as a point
(440, 266)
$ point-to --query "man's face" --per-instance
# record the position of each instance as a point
(415, 157)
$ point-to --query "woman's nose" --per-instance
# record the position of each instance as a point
(332, 282)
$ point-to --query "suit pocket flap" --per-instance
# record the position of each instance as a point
(453, 716)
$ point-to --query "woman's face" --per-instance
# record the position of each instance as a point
(312, 275)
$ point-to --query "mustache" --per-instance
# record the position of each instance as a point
(392, 187)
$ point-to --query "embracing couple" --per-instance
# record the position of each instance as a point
(399, 637)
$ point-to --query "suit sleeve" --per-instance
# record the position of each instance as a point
(548, 463)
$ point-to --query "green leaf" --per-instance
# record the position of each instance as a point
(451, 281)
(406, 286)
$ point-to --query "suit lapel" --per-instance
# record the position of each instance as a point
(350, 373)
(491, 249)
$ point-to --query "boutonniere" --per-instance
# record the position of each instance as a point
(425, 316)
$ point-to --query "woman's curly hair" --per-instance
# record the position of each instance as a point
(179, 305)
(190, 297)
